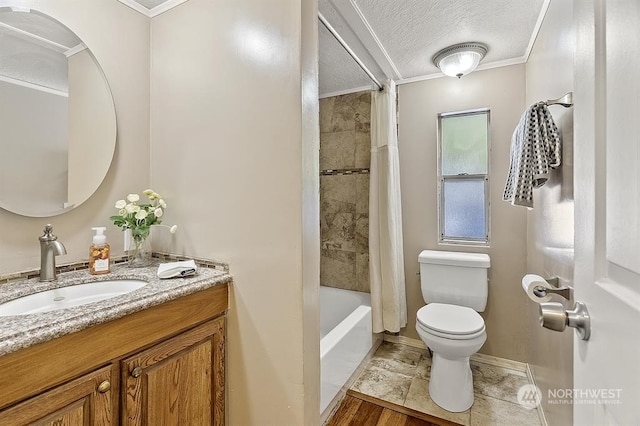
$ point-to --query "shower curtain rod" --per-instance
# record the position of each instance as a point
(351, 53)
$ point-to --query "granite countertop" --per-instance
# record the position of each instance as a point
(21, 331)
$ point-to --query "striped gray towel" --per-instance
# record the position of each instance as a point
(535, 150)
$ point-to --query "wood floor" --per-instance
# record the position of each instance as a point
(357, 409)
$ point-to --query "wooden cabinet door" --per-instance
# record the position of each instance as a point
(81, 402)
(177, 382)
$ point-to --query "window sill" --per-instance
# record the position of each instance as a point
(464, 243)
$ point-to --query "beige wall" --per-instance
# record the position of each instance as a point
(229, 155)
(550, 224)
(119, 39)
(345, 157)
(34, 137)
(502, 91)
(92, 127)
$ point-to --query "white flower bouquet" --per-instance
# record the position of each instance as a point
(139, 218)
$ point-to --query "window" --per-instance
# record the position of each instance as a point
(463, 176)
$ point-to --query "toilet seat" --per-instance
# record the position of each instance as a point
(450, 321)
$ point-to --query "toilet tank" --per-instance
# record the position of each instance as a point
(455, 278)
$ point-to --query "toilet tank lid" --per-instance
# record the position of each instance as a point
(455, 258)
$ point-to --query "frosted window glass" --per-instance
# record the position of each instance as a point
(464, 144)
(464, 209)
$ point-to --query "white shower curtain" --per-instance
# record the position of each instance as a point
(386, 258)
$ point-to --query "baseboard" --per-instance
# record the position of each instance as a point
(495, 361)
(485, 359)
(532, 380)
(416, 343)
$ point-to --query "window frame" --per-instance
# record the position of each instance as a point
(442, 239)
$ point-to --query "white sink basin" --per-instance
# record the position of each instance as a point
(68, 297)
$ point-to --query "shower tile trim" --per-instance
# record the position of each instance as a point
(344, 172)
(495, 361)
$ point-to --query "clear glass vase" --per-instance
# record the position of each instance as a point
(139, 253)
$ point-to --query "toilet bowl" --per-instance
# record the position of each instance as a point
(453, 333)
(455, 288)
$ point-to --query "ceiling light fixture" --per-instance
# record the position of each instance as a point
(460, 59)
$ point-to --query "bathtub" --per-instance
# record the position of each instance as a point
(345, 338)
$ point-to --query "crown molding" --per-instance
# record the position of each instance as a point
(33, 86)
(150, 13)
(487, 66)
(346, 92)
(536, 29)
(45, 42)
(164, 7)
(75, 49)
(137, 7)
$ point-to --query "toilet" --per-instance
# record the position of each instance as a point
(455, 287)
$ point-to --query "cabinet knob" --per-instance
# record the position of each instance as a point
(104, 386)
(137, 372)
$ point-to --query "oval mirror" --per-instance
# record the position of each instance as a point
(57, 117)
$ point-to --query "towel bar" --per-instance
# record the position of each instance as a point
(566, 101)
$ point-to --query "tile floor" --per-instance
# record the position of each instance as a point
(400, 374)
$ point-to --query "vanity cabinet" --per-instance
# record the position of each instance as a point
(160, 366)
(87, 400)
(177, 382)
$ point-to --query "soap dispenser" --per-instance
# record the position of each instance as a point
(99, 257)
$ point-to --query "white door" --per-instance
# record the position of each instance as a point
(607, 210)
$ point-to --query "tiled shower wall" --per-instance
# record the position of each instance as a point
(345, 146)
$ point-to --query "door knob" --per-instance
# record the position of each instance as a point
(554, 317)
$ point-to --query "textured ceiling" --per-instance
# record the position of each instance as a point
(401, 37)
(29, 59)
(337, 67)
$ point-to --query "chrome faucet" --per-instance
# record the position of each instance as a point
(50, 247)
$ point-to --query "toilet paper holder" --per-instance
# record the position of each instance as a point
(564, 292)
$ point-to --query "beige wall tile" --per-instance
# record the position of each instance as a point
(363, 150)
(362, 233)
(340, 232)
(338, 269)
(337, 220)
(343, 116)
(362, 104)
(345, 198)
(362, 272)
(361, 184)
(338, 150)
(326, 112)
(338, 193)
